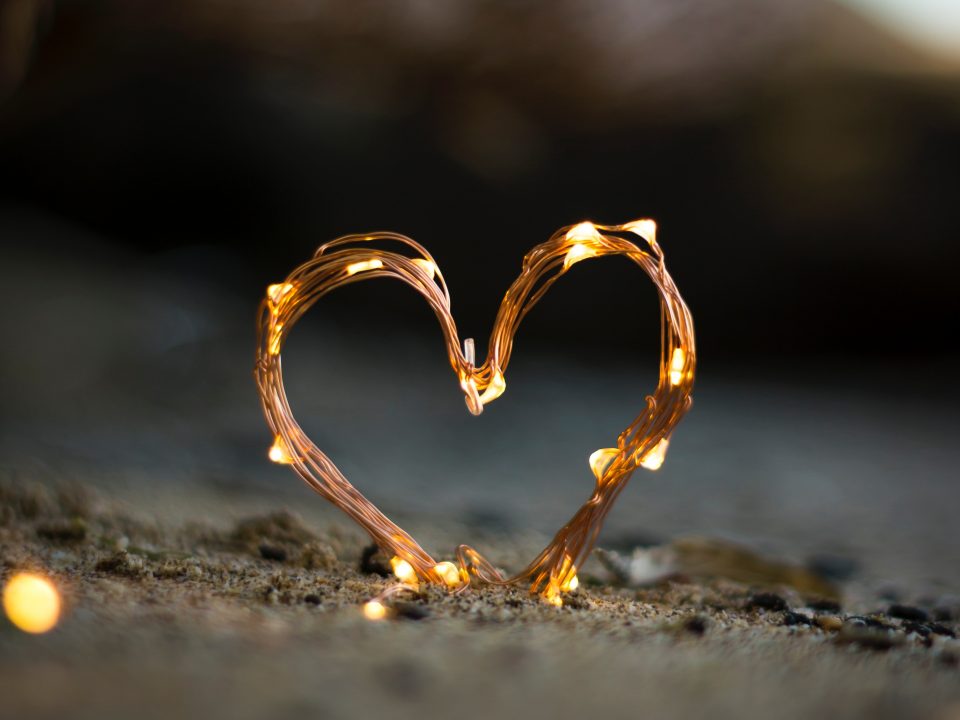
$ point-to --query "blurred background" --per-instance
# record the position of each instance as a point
(161, 163)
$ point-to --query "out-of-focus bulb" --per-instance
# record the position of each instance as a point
(354, 268)
(645, 228)
(404, 571)
(279, 453)
(427, 266)
(654, 459)
(677, 362)
(277, 292)
(495, 388)
(32, 603)
(374, 610)
(449, 572)
(571, 584)
(600, 459)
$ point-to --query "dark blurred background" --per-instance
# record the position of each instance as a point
(161, 163)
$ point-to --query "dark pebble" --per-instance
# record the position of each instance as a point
(312, 599)
(941, 629)
(766, 601)
(373, 562)
(697, 624)
(915, 627)
(926, 629)
(950, 658)
(410, 611)
(272, 552)
(907, 612)
(795, 618)
(824, 605)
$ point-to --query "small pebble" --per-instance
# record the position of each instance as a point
(868, 622)
(312, 599)
(272, 552)
(766, 601)
(830, 623)
(795, 618)
(907, 612)
(696, 624)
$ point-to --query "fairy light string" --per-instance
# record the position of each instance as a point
(644, 443)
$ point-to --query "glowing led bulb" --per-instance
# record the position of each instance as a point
(571, 584)
(495, 388)
(275, 336)
(654, 459)
(277, 292)
(354, 268)
(552, 596)
(449, 572)
(404, 571)
(584, 232)
(677, 362)
(576, 253)
(279, 453)
(427, 266)
(600, 459)
(32, 603)
(645, 228)
(374, 610)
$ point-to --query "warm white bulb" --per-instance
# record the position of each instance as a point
(645, 228)
(600, 459)
(404, 571)
(654, 459)
(576, 253)
(354, 268)
(427, 266)
(374, 610)
(449, 572)
(278, 452)
(495, 388)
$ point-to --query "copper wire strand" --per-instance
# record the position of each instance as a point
(355, 258)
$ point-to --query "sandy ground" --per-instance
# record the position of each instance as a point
(260, 617)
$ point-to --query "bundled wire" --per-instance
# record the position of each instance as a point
(355, 258)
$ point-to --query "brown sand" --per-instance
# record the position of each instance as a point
(261, 618)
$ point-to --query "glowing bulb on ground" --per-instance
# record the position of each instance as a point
(354, 268)
(600, 459)
(645, 228)
(449, 572)
(495, 388)
(374, 610)
(32, 603)
(278, 452)
(404, 571)
(572, 584)
(277, 292)
(677, 362)
(427, 266)
(654, 459)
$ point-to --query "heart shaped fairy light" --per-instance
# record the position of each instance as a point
(353, 258)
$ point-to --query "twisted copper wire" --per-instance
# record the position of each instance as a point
(351, 259)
